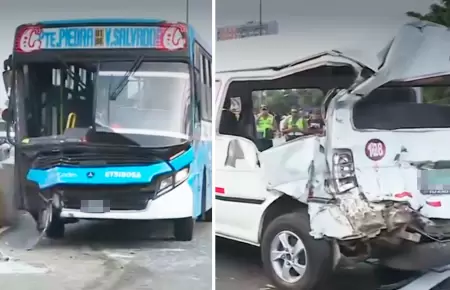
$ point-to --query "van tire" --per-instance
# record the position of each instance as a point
(319, 252)
(184, 229)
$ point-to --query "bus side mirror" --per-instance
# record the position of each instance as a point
(7, 79)
(7, 115)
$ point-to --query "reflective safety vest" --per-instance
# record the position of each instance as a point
(264, 123)
(300, 124)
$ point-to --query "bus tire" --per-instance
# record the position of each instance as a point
(206, 215)
(56, 229)
(316, 255)
(184, 229)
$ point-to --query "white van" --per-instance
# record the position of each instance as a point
(375, 185)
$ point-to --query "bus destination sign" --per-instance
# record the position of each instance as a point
(34, 38)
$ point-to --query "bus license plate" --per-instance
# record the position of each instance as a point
(95, 206)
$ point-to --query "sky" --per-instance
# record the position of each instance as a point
(16, 12)
(294, 13)
(329, 22)
(307, 26)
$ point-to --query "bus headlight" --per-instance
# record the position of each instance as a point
(169, 182)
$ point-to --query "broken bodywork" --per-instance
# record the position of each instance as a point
(375, 189)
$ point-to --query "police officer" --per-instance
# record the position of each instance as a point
(266, 127)
(294, 125)
(265, 123)
(316, 123)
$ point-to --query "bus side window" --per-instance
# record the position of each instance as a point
(203, 84)
(197, 83)
(207, 90)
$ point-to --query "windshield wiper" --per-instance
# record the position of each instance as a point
(124, 81)
(71, 74)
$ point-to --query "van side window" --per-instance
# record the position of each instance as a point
(295, 113)
(272, 117)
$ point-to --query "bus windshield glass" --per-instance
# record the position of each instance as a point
(152, 98)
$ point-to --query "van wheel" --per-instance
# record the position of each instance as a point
(184, 229)
(291, 257)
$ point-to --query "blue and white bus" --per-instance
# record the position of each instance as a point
(112, 120)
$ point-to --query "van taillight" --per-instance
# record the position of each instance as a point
(342, 171)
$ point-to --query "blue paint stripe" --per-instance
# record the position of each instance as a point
(102, 21)
(79, 175)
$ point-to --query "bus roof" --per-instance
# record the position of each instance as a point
(102, 21)
(199, 39)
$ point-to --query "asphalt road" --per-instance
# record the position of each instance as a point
(238, 266)
(106, 256)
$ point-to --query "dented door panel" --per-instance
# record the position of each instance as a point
(287, 167)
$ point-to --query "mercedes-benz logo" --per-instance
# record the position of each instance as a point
(90, 174)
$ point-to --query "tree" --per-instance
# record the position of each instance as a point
(281, 101)
(440, 14)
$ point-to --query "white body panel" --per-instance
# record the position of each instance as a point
(177, 203)
(261, 178)
(243, 180)
(247, 180)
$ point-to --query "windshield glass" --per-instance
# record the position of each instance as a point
(154, 99)
(404, 108)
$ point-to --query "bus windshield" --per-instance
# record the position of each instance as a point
(153, 99)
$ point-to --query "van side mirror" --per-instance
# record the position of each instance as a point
(7, 79)
(242, 153)
(7, 115)
(234, 153)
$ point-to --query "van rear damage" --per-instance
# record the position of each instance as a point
(388, 182)
(378, 183)
(384, 191)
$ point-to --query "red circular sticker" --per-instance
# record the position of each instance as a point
(173, 38)
(375, 149)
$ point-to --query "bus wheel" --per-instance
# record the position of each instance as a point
(51, 223)
(206, 216)
(291, 257)
(184, 229)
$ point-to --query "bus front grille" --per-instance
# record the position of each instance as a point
(117, 197)
(46, 161)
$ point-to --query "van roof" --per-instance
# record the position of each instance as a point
(308, 62)
(275, 50)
